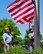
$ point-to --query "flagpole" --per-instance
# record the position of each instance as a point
(29, 25)
(36, 25)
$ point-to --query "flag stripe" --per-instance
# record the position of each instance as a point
(25, 19)
(22, 4)
(22, 11)
(28, 13)
(17, 10)
(28, 19)
(26, 7)
(12, 6)
(12, 9)
(20, 22)
(25, 0)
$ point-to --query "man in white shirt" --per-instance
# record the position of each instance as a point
(31, 37)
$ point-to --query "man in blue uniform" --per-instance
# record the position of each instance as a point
(7, 38)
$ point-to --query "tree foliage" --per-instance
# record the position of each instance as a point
(13, 28)
(11, 25)
(27, 37)
(17, 40)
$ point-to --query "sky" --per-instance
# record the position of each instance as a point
(5, 14)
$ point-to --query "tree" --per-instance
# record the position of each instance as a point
(11, 25)
(17, 40)
(13, 28)
(40, 36)
(26, 39)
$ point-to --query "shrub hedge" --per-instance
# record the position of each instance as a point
(19, 50)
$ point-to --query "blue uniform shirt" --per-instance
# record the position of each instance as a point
(7, 37)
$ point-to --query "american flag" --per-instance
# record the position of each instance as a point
(22, 11)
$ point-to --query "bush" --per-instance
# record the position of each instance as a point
(16, 50)
(41, 44)
(1, 44)
(19, 50)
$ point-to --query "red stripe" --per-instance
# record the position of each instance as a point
(25, 19)
(17, 0)
(13, 8)
(30, 22)
(27, 15)
(17, 6)
(11, 4)
(18, 11)
(21, 9)
(28, 19)
(24, 13)
(26, 0)
(23, 22)
(20, 22)
(31, 18)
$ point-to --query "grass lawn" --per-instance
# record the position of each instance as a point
(19, 50)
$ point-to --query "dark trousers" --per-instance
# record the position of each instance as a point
(31, 43)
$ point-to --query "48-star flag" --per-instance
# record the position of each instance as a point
(22, 11)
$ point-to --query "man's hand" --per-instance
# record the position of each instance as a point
(5, 43)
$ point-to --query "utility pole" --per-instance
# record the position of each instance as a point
(36, 25)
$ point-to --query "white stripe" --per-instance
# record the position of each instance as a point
(25, 4)
(23, 21)
(13, 5)
(10, 7)
(31, 20)
(25, 15)
(21, 7)
(14, 11)
(30, 17)
(20, 23)
(22, 11)
(18, 4)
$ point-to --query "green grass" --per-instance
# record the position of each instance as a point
(19, 50)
